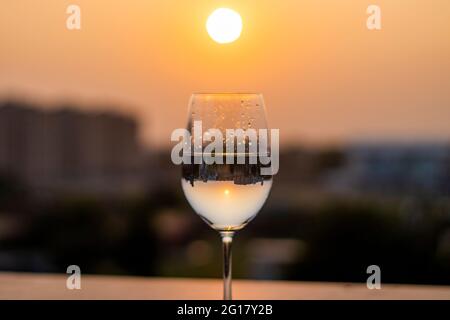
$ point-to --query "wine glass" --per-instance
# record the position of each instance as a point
(227, 196)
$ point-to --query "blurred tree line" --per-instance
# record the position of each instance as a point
(150, 235)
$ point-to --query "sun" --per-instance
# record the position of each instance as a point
(224, 25)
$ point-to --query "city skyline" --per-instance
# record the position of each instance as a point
(68, 150)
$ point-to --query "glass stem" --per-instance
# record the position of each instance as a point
(227, 239)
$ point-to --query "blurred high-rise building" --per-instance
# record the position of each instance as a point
(70, 151)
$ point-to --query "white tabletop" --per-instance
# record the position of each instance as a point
(52, 286)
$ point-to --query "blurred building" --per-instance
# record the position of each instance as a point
(70, 151)
(419, 169)
(376, 169)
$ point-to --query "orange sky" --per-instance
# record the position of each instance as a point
(325, 77)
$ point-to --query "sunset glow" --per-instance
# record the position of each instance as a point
(224, 25)
(325, 76)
